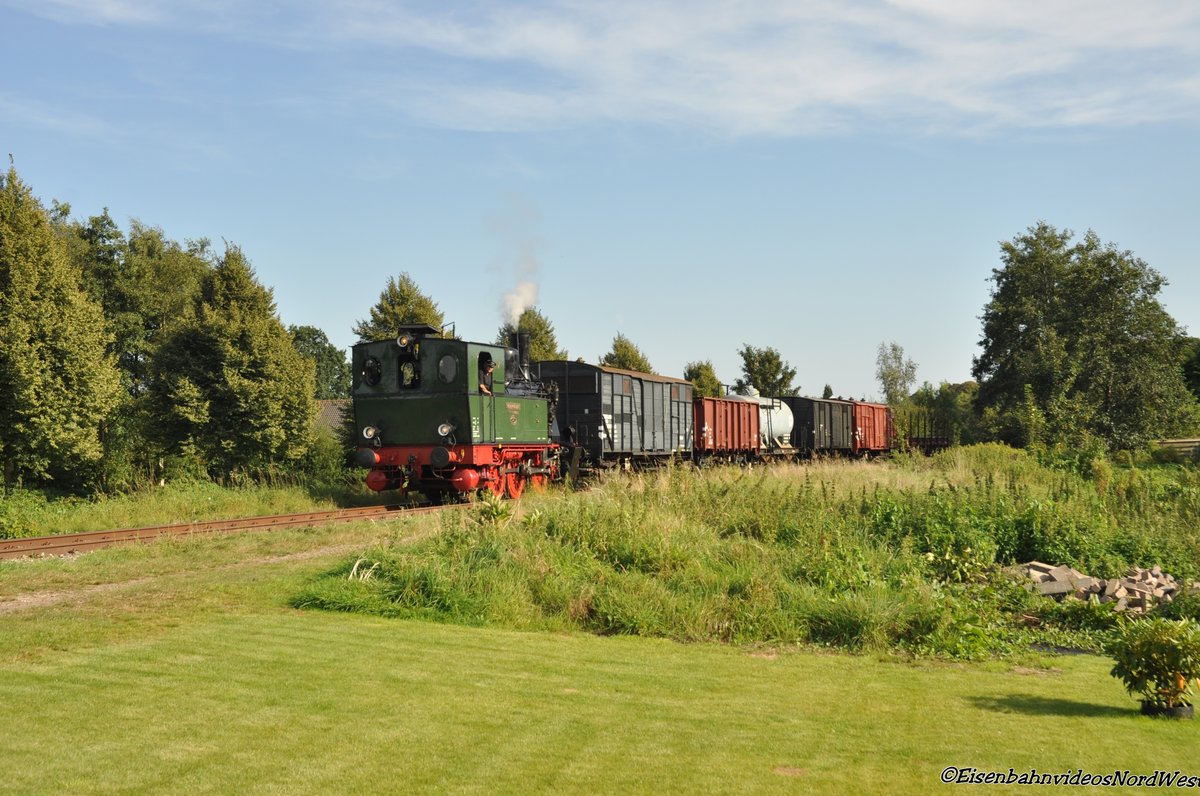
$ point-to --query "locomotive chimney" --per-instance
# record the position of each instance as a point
(523, 352)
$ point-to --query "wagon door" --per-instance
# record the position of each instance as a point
(637, 431)
(654, 419)
(618, 412)
(681, 418)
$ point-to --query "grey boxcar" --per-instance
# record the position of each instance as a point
(619, 415)
(823, 425)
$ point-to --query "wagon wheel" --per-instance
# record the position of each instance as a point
(492, 480)
(514, 484)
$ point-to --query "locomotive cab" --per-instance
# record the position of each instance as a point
(425, 422)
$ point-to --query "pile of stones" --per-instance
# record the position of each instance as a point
(1137, 592)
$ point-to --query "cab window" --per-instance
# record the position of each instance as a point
(409, 370)
(447, 369)
(372, 372)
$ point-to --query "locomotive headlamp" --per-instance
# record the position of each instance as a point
(445, 430)
(370, 432)
(403, 341)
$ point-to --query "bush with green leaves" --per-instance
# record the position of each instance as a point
(1157, 659)
(20, 510)
(1185, 606)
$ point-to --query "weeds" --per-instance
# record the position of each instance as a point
(357, 573)
(869, 557)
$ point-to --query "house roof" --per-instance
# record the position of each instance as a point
(331, 414)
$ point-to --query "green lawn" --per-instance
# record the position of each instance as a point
(178, 667)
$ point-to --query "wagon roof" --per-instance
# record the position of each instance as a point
(620, 371)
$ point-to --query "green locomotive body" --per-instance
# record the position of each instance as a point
(425, 423)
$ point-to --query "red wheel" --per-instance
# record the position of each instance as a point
(492, 480)
(514, 484)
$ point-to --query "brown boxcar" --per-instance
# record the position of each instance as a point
(873, 428)
(725, 428)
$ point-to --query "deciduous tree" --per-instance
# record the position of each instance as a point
(330, 363)
(145, 285)
(895, 373)
(765, 370)
(400, 303)
(1075, 342)
(626, 355)
(703, 377)
(946, 410)
(158, 288)
(1190, 356)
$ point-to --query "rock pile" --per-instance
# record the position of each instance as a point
(1137, 592)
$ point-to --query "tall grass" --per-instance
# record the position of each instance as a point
(866, 556)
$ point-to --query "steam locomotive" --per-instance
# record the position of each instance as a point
(447, 417)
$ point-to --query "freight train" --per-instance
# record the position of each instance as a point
(447, 417)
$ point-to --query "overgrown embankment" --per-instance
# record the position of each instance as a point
(866, 556)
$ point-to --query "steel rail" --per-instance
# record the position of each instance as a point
(67, 543)
(1184, 447)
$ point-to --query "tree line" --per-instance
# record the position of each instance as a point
(128, 358)
(1077, 352)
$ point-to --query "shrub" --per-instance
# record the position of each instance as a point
(1184, 606)
(1100, 471)
(20, 510)
(1165, 455)
(874, 619)
(1157, 659)
(324, 463)
(1085, 615)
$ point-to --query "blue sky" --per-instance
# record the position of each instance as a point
(816, 176)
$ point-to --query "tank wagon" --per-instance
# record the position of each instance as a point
(425, 425)
(775, 423)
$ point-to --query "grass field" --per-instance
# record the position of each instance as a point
(180, 667)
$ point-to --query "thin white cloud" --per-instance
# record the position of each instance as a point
(97, 12)
(24, 112)
(780, 68)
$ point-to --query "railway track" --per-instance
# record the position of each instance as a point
(1184, 447)
(67, 543)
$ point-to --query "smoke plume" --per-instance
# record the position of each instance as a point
(516, 226)
(519, 299)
